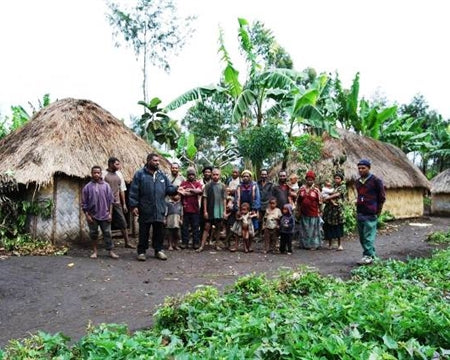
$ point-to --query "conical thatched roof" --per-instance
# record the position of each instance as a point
(388, 161)
(440, 184)
(70, 136)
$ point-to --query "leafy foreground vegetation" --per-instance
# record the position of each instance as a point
(391, 310)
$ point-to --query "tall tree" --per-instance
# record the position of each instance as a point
(153, 30)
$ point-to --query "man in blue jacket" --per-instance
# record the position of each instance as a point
(147, 201)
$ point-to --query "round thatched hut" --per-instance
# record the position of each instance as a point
(52, 155)
(440, 194)
(405, 184)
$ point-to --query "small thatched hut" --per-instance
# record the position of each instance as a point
(440, 194)
(405, 184)
(52, 155)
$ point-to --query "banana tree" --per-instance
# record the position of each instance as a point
(156, 125)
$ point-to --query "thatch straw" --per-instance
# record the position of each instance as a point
(388, 162)
(70, 136)
(440, 184)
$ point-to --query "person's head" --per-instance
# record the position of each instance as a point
(310, 177)
(190, 173)
(246, 176)
(175, 169)
(287, 209)
(263, 174)
(235, 173)
(153, 161)
(338, 178)
(207, 171)
(273, 203)
(96, 173)
(113, 164)
(245, 208)
(175, 197)
(293, 178)
(364, 167)
(327, 183)
(282, 177)
(215, 175)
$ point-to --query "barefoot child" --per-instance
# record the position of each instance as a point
(271, 224)
(174, 220)
(243, 226)
(287, 223)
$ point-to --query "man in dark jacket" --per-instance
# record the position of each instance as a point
(147, 201)
(369, 203)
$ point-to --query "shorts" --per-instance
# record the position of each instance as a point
(118, 218)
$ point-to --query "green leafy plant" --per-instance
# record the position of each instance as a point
(439, 237)
(349, 217)
(385, 217)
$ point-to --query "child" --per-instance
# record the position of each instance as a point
(174, 220)
(327, 190)
(271, 225)
(243, 226)
(287, 223)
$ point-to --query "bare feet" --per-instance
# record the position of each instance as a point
(130, 246)
(93, 256)
(340, 248)
(113, 255)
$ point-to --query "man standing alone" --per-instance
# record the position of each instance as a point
(369, 203)
(147, 201)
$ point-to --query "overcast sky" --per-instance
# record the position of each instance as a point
(66, 48)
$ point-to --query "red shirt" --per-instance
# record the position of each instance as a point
(191, 202)
(308, 201)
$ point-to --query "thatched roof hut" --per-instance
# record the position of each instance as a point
(405, 184)
(440, 194)
(52, 155)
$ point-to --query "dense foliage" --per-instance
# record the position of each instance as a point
(391, 310)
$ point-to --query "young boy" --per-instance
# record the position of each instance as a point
(287, 223)
(97, 203)
(174, 220)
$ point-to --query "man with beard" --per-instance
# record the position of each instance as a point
(214, 204)
(281, 191)
(147, 201)
(175, 177)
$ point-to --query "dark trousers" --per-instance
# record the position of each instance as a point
(285, 242)
(191, 220)
(157, 236)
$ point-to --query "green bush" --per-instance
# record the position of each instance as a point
(391, 310)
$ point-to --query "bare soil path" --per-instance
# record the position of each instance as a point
(64, 293)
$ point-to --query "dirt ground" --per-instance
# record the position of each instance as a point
(65, 293)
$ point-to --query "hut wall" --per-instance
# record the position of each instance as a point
(68, 224)
(440, 204)
(40, 227)
(402, 203)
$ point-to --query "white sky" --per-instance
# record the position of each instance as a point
(66, 48)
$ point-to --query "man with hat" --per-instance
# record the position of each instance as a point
(190, 189)
(369, 203)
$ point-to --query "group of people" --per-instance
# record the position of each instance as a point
(225, 214)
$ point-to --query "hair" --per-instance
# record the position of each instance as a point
(272, 198)
(174, 163)
(96, 167)
(210, 168)
(267, 171)
(112, 160)
(245, 205)
(151, 156)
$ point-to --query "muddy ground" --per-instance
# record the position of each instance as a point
(65, 293)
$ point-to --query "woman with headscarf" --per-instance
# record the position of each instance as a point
(308, 206)
(333, 212)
